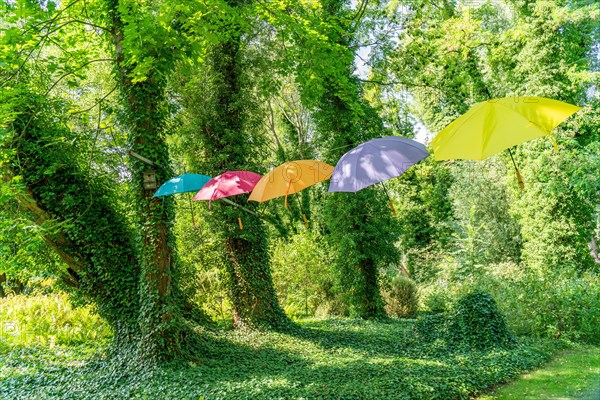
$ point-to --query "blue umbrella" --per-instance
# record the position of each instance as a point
(182, 184)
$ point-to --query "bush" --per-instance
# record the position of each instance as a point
(477, 322)
(563, 304)
(435, 299)
(48, 320)
(401, 297)
(302, 275)
(547, 305)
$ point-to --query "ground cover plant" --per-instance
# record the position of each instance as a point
(329, 359)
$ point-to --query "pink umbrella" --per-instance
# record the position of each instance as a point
(228, 184)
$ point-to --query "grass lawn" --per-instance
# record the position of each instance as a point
(328, 359)
(575, 374)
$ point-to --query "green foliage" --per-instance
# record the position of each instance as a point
(436, 301)
(401, 297)
(23, 253)
(361, 232)
(302, 272)
(201, 257)
(202, 79)
(360, 228)
(477, 322)
(326, 359)
(557, 211)
(486, 232)
(49, 321)
(79, 208)
(424, 214)
(228, 120)
(551, 304)
(86, 228)
(538, 304)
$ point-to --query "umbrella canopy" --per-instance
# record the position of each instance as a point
(182, 184)
(290, 177)
(228, 184)
(375, 161)
(495, 125)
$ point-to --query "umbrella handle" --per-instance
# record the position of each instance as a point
(285, 202)
(520, 180)
(305, 220)
(241, 225)
(392, 207)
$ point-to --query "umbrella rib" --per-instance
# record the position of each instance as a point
(355, 174)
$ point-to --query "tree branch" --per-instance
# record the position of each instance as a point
(72, 72)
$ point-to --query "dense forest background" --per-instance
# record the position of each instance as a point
(206, 87)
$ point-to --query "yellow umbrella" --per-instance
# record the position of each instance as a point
(290, 177)
(498, 124)
(495, 125)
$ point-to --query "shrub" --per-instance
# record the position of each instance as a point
(401, 297)
(302, 274)
(477, 322)
(435, 299)
(48, 320)
(556, 304)
(547, 305)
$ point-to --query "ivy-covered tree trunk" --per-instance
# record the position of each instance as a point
(228, 145)
(75, 212)
(360, 225)
(2, 282)
(143, 100)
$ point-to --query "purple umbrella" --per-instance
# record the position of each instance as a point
(375, 161)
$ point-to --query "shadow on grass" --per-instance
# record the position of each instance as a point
(392, 337)
(322, 359)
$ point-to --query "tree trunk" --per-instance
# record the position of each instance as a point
(247, 258)
(594, 249)
(81, 224)
(160, 316)
(344, 120)
(2, 281)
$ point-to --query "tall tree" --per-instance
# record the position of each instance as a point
(227, 127)
(137, 35)
(360, 225)
(470, 53)
(132, 277)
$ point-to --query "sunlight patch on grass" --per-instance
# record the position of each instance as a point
(572, 375)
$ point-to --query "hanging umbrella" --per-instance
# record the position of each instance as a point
(290, 177)
(227, 184)
(495, 125)
(375, 161)
(182, 184)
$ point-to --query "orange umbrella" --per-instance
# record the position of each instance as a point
(290, 177)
